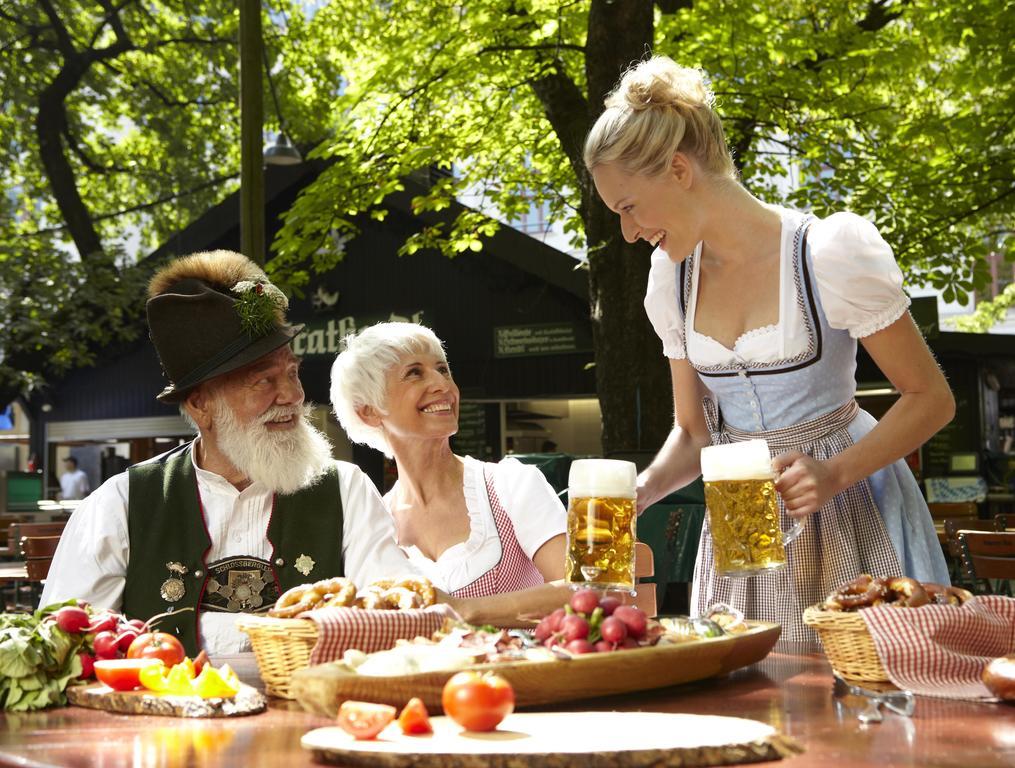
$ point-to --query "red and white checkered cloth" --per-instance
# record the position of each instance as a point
(941, 650)
(339, 629)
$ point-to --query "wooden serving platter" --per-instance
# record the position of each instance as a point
(553, 739)
(248, 701)
(324, 687)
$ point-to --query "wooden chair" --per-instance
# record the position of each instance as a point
(36, 543)
(952, 526)
(988, 556)
(940, 510)
(38, 552)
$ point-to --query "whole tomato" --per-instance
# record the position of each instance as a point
(157, 645)
(477, 702)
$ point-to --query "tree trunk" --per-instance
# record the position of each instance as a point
(632, 377)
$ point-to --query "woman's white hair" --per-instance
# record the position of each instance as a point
(359, 374)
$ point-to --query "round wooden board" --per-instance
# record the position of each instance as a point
(552, 739)
(323, 688)
(248, 701)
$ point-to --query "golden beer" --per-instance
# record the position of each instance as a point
(600, 542)
(744, 518)
(601, 524)
(743, 512)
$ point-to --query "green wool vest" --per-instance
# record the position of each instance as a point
(166, 526)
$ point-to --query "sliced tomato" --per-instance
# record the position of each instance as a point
(363, 719)
(122, 674)
(414, 719)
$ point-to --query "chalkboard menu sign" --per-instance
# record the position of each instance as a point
(962, 435)
(475, 420)
(542, 339)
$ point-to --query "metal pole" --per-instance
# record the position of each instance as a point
(252, 243)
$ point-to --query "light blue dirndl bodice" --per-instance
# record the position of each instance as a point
(807, 403)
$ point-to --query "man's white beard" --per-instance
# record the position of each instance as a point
(285, 460)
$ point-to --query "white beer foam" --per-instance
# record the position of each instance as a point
(747, 460)
(602, 477)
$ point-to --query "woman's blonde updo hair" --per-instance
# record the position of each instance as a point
(657, 109)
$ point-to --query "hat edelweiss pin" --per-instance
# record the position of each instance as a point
(257, 305)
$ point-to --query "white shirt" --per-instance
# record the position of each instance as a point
(91, 561)
(74, 484)
(536, 513)
(858, 281)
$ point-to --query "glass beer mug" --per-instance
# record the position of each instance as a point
(743, 512)
(601, 517)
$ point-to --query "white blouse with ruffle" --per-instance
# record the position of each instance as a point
(859, 284)
(536, 513)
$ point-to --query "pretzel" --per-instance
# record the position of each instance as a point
(942, 595)
(422, 587)
(906, 593)
(402, 598)
(863, 592)
(295, 601)
(372, 599)
(338, 592)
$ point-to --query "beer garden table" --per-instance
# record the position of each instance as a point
(790, 692)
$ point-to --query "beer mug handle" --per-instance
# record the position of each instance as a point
(796, 530)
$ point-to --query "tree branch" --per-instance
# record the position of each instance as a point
(135, 208)
(540, 47)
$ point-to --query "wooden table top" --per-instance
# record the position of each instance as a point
(791, 692)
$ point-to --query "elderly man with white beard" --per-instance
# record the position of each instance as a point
(254, 505)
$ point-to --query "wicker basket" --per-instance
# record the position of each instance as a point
(847, 643)
(281, 646)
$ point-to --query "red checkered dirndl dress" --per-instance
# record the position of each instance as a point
(514, 570)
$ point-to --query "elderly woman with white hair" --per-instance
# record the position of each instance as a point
(474, 528)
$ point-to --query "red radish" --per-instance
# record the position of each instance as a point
(139, 625)
(542, 630)
(125, 638)
(71, 619)
(602, 646)
(574, 627)
(104, 623)
(87, 665)
(613, 630)
(555, 618)
(584, 601)
(634, 618)
(609, 605)
(106, 645)
(580, 646)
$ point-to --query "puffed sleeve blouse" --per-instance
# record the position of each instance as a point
(857, 278)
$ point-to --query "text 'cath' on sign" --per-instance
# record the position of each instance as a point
(323, 337)
(545, 339)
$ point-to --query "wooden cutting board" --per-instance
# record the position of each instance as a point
(324, 687)
(554, 739)
(248, 701)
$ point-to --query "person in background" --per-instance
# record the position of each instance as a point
(254, 505)
(759, 309)
(476, 529)
(73, 482)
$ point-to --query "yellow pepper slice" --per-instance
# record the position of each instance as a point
(180, 681)
(153, 677)
(213, 684)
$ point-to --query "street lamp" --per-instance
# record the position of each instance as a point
(252, 243)
(283, 151)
